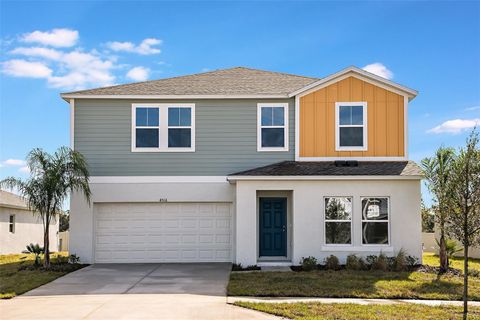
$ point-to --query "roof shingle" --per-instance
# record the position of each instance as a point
(234, 81)
(328, 168)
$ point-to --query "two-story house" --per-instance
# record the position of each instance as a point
(247, 166)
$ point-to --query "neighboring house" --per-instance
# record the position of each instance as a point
(245, 166)
(20, 227)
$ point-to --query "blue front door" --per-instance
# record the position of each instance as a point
(273, 227)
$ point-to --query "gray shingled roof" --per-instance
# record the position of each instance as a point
(234, 81)
(11, 200)
(328, 168)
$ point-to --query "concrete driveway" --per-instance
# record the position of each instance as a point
(132, 291)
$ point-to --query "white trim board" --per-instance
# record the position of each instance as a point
(158, 179)
(360, 74)
(319, 178)
(286, 135)
(67, 96)
(352, 158)
(72, 124)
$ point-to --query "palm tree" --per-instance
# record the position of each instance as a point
(52, 179)
(437, 170)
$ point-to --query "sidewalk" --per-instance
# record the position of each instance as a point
(232, 300)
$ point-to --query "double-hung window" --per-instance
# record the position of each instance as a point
(375, 217)
(11, 223)
(351, 126)
(338, 220)
(163, 127)
(272, 127)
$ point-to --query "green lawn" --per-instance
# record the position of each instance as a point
(355, 284)
(311, 311)
(457, 262)
(14, 281)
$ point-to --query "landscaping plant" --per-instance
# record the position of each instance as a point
(52, 179)
(437, 171)
(36, 250)
(332, 263)
(309, 263)
(463, 220)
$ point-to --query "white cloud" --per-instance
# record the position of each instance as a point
(144, 48)
(26, 69)
(83, 69)
(46, 53)
(473, 108)
(138, 74)
(24, 169)
(54, 38)
(14, 162)
(379, 69)
(455, 126)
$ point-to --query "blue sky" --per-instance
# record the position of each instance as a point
(53, 47)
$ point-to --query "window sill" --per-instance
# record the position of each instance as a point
(367, 248)
(351, 149)
(162, 150)
(272, 149)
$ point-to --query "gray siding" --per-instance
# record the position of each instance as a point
(226, 140)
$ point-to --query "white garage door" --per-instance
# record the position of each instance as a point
(163, 232)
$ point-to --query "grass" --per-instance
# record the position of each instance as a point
(311, 311)
(456, 262)
(15, 279)
(356, 284)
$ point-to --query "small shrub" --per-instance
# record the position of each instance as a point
(363, 265)
(371, 260)
(73, 258)
(474, 273)
(36, 250)
(332, 263)
(411, 261)
(62, 259)
(309, 263)
(353, 263)
(400, 261)
(380, 263)
(239, 267)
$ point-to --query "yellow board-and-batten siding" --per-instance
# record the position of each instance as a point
(385, 120)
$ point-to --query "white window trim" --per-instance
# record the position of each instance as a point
(337, 126)
(163, 127)
(12, 223)
(325, 220)
(259, 127)
(376, 221)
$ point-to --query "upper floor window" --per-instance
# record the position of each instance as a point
(351, 126)
(163, 127)
(11, 224)
(272, 127)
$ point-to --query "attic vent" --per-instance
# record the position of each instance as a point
(346, 163)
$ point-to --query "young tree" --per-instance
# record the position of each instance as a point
(437, 171)
(463, 220)
(52, 179)
(428, 219)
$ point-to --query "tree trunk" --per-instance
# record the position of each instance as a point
(443, 252)
(465, 281)
(46, 244)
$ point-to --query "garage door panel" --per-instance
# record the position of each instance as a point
(166, 232)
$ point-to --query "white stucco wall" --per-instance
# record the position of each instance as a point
(82, 214)
(308, 217)
(28, 229)
(306, 236)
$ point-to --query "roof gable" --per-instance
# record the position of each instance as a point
(360, 74)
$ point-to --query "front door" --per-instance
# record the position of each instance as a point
(273, 227)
